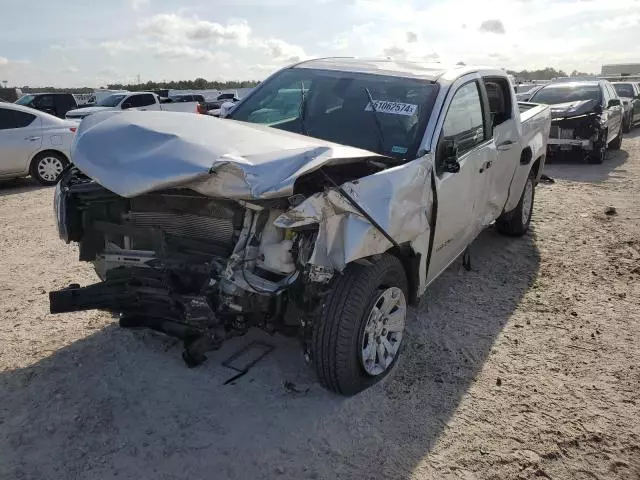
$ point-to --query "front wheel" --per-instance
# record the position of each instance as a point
(516, 222)
(47, 167)
(358, 337)
(616, 143)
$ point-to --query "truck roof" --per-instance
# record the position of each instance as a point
(402, 68)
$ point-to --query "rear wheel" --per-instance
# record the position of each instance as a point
(516, 222)
(47, 167)
(626, 125)
(358, 337)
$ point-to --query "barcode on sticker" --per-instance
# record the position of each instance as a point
(397, 108)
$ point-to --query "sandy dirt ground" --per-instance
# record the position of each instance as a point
(525, 367)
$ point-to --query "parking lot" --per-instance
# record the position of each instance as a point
(524, 367)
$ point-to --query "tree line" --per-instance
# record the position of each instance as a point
(203, 84)
(545, 74)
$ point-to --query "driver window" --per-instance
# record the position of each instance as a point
(464, 123)
(283, 105)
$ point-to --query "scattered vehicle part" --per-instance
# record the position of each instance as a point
(33, 143)
(208, 227)
(245, 358)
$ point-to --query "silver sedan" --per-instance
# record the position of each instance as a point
(33, 143)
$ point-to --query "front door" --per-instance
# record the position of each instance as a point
(461, 194)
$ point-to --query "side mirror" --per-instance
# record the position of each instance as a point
(450, 157)
(126, 105)
(638, 97)
(614, 102)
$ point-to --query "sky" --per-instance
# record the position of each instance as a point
(72, 43)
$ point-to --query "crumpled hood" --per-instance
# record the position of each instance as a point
(573, 109)
(132, 153)
(88, 110)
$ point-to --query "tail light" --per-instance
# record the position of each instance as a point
(73, 129)
(200, 109)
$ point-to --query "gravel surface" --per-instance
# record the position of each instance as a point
(525, 367)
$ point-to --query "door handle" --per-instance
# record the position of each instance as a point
(506, 145)
(32, 139)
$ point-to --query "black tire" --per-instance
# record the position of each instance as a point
(599, 153)
(514, 223)
(338, 334)
(616, 143)
(45, 165)
(626, 125)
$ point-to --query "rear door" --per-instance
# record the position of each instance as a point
(20, 139)
(45, 103)
(141, 101)
(507, 138)
(461, 194)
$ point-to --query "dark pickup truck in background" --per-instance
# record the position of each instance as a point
(57, 104)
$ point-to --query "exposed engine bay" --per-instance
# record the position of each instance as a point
(198, 268)
(576, 126)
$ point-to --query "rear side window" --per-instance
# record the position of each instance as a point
(143, 100)
(499, 96)
(624, 89)
(464, 123)
(14, 119)
(44, 101)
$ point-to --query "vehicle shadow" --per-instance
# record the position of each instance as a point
(18, 185)
(576, 169)
(121, 402)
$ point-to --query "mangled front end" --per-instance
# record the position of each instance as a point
(575, 126)
(176, 253)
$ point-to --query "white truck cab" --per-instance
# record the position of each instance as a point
(144, 101)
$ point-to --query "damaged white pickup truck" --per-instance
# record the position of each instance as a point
(331, 198)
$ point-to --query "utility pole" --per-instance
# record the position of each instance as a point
(138, 76)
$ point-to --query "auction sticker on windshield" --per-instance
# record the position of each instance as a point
(397, 108)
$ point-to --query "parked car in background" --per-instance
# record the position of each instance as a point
(213, 108)
(33, 143)
(133, 101)
(586, 116)
(525, 94)
(187, 97)
(327, 213)
(56, 104)
(10, 94)
(629, 93)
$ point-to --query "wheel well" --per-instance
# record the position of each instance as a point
(411, 263)
(535, 168)
(49, 150)
(525, 156)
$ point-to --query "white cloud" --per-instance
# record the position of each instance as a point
(204, 38)
(70, 69)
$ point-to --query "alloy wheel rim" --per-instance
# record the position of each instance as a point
(50, 168)
(383, 331)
